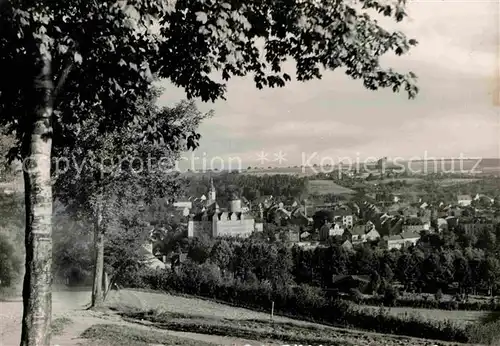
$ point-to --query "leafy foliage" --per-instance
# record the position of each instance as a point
(237, 38)
(104, 55)
(129, 166)
(86, 44)
(72, 251)
(10, 261)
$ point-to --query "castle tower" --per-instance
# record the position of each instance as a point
(235, 204)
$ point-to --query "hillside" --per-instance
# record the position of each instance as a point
(189, 321)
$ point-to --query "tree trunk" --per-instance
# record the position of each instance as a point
(108, 285)
(97, 291)
(37, 144)
(105, 284)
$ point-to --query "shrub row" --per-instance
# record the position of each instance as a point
(434, 304)
(304, 302)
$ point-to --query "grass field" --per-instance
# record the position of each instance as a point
(183, 314)
(409, 181)
(326, 187)
(119, 335)
(457, 181)
(298, 171)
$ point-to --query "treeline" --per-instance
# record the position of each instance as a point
(434, 302)
(248, 186)
(447, 263)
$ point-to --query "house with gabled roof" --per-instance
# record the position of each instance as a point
(364, 233)
(347, 245)
(371, 235)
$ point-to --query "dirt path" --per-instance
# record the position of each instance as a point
(72, 304)
(10, 320)
(64, 303)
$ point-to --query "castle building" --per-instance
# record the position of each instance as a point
(214, 221)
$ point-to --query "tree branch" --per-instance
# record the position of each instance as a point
(68, 66)
(63, 77)
(112, 280)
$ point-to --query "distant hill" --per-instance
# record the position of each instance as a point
(473, 166)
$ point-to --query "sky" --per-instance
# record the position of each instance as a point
(455, 114)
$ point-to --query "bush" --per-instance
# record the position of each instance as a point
(391, 295)
(356, 295)
(423, 303)
(438, 295)
(484, 333)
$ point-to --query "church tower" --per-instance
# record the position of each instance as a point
(212, 195)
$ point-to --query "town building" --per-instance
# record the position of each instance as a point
(442, 224)
(371, 234)
(331, 230)
(394, 242)
(357, 233)
(364, 233)
(281, 214)
(345, 216)
(214, 221)
(347, 245)
(402, 240)
(184, 203)
(411, 238)
(476, 227)
(414, 228)
(464, 200)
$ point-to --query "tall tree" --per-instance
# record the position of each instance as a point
(102, 55)
(126, 168)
